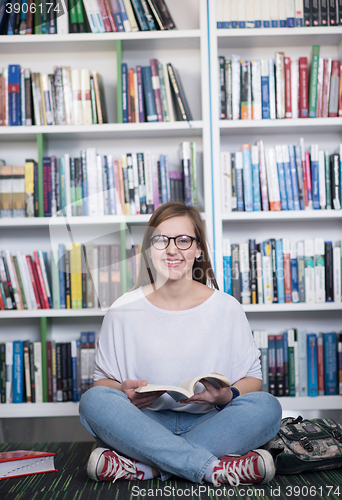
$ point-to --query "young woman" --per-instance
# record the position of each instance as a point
(173, 325)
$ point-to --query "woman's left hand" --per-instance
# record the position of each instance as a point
(212, 395)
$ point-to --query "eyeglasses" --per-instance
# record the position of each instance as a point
(182, 242)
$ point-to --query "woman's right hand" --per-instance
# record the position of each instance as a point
(139, 400)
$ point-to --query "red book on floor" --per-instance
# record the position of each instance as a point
(25, 463)
(303, 88)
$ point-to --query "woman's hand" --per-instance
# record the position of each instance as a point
(212, 395)
(139, 400)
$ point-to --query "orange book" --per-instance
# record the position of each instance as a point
(131, 97)
(287, 270)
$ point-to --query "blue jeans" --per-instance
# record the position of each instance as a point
(179, 443)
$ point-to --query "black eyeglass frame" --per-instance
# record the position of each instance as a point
(193, 238)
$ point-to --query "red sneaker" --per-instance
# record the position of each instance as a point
(257, 466)
(107, 465)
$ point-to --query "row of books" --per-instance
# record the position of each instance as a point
(66, 97)
(281, 271)
(153, 93)
(279, 87)
(280, 178)
(68, 374)
(232, 14)
(69, 16)
(297, 363)
(95, 185)
(84, 276)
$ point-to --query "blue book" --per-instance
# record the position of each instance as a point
(281, 178)
(299, 166)
(91, 357)
(294, 177)
(266, 23)
(163, 178)
(3, 16)
(280, 271)
(330, 364)
(124, 93)
(242, 24)
(22, 98)
(315, 177)
(303, 364)
(75, 347)
(117, 14)
(288, 182)
(150, 104)
(286, 363)
(265, 90)
(11, 19)
(18, 371)
(227, 267)
(47, 185)
(275, 23)
(247, 177)
(140, 95)
(139, 15)
(290, 22)
(294, 272)
(112, 200)
(256, 179)
(61, 272)
(239, 181)
(124, 18)
(14, 95)
(312, 364)
(84, 183)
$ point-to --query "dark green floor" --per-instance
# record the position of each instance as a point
(71, 482)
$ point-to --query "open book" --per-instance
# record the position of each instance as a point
(187, 387)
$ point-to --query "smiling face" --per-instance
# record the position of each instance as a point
(171, 263)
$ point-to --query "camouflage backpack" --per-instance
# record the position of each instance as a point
(307, 445)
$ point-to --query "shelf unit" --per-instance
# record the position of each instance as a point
(187, 49)
(229, 135)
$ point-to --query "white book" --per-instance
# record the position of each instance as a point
(85, 97)
(148, 179)
(226, 13)
(282, 13)
(226, 182)
(92, 182)
(9, 372)
(280, 84)
(309, 271)
(95, 276)
(259, 278)
(100, 194)
(62, 19)
(257, 14)
(319, 270)
(130, 15)
(294, 343)
(274, 13)
(15, 285)
(77, 96)
(168, 94)
(91, 15)
(67, 93)
(272, 89)
(267, 273)
(250, 19)
(290, 13)
(28, 290)
(337, 271)
(242, 14)
(256, 90)
(98, 16)
(136, 182)
(245, 274)
(219, 10)
(272, 179)
(266, 13)
(234, 13)
(299, 13)
(295, 87)
(321, 180)
(38, 376)
(67, 184)
(236, 87)
(47, 99)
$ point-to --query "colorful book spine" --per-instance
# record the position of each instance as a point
(312, 364)
(330, 364)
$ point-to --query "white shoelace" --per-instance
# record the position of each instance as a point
(123, 467)
(232, 472)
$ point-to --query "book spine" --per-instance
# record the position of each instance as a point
(156, 89)
(303, 88)
(288, 101)
(319, 270)
(280, 271)
(330, 364)
(256, 179)
(337, 272)
(309, 271)
(301, 271)
(294, 272)
(280, 84)
(334, 89)
(315, 177)
(329, 275)
(320, 364)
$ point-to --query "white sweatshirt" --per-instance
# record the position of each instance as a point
(140, 341)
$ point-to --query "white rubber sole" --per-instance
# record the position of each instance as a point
(93, 462)
(269, 465)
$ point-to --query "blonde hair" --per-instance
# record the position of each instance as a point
(202, 270)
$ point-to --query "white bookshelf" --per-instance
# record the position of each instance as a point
(229, 135)
(187, 49)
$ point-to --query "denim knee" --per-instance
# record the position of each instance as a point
(272, 408)
(93, 397)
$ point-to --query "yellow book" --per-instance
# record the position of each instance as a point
(29, 188)
(73, 276)
(78, 275)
